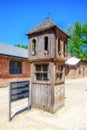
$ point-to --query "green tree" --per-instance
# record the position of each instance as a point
(22, 46)
(77, 43)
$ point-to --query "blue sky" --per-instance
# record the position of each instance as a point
(19, 16)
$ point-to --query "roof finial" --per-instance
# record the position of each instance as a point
(48, 14)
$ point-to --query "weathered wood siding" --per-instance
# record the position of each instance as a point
(41, 97)
(59, 94)
(42, 92)
(40, 46)
(63, 42)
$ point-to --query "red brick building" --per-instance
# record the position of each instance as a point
(14, 64)
(75, 68)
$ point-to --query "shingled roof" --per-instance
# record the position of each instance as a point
(13, 51)
(44, 25)
(47, 24)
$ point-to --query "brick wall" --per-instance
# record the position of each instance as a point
(4, 67)
(6, 77)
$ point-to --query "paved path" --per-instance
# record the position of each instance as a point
(73, 116)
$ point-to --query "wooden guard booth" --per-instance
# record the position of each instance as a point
(47, 55)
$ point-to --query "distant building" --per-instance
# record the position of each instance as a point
(75, 68)
(14, 64)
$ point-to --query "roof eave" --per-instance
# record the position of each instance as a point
(62, 31)
(31, 33)
(13, 56)
(46, 29)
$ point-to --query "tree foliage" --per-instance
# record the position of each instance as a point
(22, 46)
(77, 43)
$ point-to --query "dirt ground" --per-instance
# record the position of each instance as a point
(73, 116)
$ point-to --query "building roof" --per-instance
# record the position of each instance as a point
(13, 51)
(46, 24)
(72, 61)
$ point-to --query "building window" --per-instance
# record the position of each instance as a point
(33, 47)
(59, 72)
(59, 52)
(15, 67)
(66, 70)
(41, 72)
(46, 43)
(79, 70)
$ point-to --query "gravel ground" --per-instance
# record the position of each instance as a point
(73, 116)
